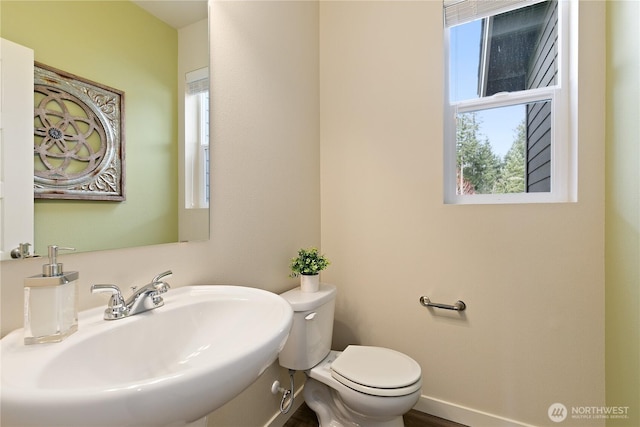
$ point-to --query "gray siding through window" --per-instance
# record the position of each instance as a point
(541, 73)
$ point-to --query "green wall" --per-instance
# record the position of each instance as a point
(118, 44)
(623, 211)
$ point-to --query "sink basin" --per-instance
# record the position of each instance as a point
(165, 367)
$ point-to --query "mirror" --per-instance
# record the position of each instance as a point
(127, 46)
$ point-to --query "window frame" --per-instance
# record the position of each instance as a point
(563, 98)
(196, 158)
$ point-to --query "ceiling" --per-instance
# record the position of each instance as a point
(177, 13)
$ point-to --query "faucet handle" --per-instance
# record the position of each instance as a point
(161, 287)
(117, 307)
(112, 289)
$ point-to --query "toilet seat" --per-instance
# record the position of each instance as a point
(377, 371)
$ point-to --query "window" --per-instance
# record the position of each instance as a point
(197, 139)
(507, 124)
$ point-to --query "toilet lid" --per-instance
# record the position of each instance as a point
(378, 371)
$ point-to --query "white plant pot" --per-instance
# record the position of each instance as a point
(309, 283)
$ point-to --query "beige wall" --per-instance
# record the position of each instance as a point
(531, 275)
(623, 209)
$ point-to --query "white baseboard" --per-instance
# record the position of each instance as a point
(463, 415)
(430, 405)
(279, 419)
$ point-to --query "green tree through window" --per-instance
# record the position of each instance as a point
(512, 171)
(479, 169)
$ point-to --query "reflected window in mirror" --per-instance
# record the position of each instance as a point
(196, 119)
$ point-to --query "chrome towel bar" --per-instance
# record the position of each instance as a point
(457, 306)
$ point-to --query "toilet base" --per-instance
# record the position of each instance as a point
(331, 411)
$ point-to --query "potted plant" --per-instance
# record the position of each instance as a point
(308, 265)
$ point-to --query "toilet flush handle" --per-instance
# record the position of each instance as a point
(310, 316)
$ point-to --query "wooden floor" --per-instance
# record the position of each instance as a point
(305, 417)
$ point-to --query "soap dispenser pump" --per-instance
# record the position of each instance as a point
(50, 302)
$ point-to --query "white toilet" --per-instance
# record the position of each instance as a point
(361, 386)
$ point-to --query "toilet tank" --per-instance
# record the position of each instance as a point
(310, 337)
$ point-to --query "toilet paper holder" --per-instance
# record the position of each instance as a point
(457, 306)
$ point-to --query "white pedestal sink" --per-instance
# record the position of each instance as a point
(166, 367)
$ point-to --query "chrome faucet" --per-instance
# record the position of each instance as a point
(144, 299)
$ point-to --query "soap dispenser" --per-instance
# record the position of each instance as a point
(50, 302)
